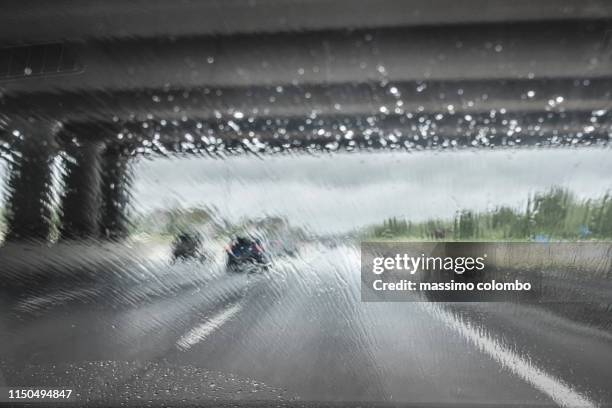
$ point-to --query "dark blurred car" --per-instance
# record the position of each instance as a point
(246, 255)
(187, 245)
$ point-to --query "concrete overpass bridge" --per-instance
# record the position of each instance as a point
(100, 84)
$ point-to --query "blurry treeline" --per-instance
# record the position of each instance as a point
(169, 222)
(552, 215)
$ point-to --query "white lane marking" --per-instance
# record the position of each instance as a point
(204, 330)
(560, 392)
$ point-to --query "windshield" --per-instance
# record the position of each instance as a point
(306, 203)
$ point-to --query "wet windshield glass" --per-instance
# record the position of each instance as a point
(227, 203)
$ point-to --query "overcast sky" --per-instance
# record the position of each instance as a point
(339, 192)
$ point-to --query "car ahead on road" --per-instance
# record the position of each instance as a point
(187, 245)
(246, 255)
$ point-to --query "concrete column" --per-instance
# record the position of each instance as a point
(81, 203)
(116, 183)
(30, 202)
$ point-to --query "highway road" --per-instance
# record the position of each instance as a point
(149, 332)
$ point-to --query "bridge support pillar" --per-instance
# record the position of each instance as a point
(30, 202)
(116, 183)
(81, 203)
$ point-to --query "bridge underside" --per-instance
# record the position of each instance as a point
(393, 75)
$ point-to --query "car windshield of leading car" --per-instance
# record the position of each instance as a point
(292, 203)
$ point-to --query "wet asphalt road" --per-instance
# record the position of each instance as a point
(298, 332)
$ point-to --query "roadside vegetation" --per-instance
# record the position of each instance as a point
(552, 215)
